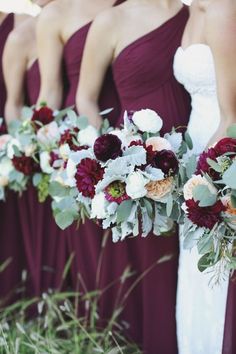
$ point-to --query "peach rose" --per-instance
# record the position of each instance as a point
(159, 189)
(196, 180)
(231, 211)
(158, 143)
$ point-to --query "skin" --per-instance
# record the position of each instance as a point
(21, 44)
(213, 23)
(113, 30)
(57, 23)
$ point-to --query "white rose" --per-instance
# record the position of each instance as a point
(64, 151)
(135, 185)
(88, 135)
(45, 165)
(158, 143)
(30, 149)
(147, 121)
(10, 147)
(99, 203)
(196, 180)
(48, 134)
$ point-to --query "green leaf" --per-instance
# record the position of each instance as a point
(229, 177)
(202, 194)
(148, 206)
(82, 122)
(123, 211)
(216, 167)
(64, 219)
(72, 116)
(191, 166)
(169, 205)
(57, 190)
(231, 131)
(205, 244)
(206, 261)
(37, 179)
(233, 200)
(188, 140)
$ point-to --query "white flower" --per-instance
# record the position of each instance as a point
(48, 134)
(6, 168)
(10, 147)
(147, 121)
(158, 143)
(45, 162)
(196, 181)
(64, 151)
(71, 169)
(98, 210)
(88, 135)
(30, 149)
(135, 185)
(125, 136)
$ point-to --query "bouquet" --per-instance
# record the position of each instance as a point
(210, 205)
(136, 182)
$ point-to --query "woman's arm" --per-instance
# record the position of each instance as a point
(221, 37)
(98, 55)
(14, 68)
(50, 52)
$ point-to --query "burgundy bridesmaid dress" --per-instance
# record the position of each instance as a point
(229, 342)
(44, 242)
(85, 242)
(143, 74)
(11, 248)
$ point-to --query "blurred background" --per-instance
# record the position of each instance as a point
(19, 6)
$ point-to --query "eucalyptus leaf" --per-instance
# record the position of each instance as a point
(169, 205)
(229, 177)
(123, 211)
(206, 261)
(37, 179)
(188, 140)
(202, 194)
(216, 167)
(64, 219)
(231, 131)
(57, 190)
(82, 122)
(191, 166)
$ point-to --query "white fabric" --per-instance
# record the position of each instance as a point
(201, 304)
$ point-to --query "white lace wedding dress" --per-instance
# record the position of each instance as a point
(201, 306)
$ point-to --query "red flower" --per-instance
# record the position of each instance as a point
(165, 160)
(3, 129)
(89, 173)
(116, 192)
(225, 145)
(69, 137)
(204, 216)
(25, 164)
(106, 147)
(43, 115)
(203, 166)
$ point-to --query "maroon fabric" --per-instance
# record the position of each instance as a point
(10, 236)
(32, 84)
(143, 74)
(229, 343)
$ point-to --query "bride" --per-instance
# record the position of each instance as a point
(200, 305)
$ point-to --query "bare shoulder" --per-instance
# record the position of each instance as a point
(20, 18)
(21, 37)
(221, 12)
(51, 15)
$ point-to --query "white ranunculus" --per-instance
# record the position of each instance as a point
(98, 210)
(196, 180)
(48, 134)
(10, 147)
(135, 185)
(88, 135)
(71, 168)
(64, 151)
(147, 120)
(45, 162)
(30, 149)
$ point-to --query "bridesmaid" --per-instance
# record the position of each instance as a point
(62, 30)
(12, 251)
(23, 82)
(142, 59)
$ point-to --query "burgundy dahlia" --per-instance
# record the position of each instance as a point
(25, 164)
(89, 173)
(3, 129)
(43, 115)
(204, 216)
(69, 137)
(166, 160)
(225, 145)
(203, 166)
(116, 192)
(106, 147)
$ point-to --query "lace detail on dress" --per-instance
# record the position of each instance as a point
(200, 307)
